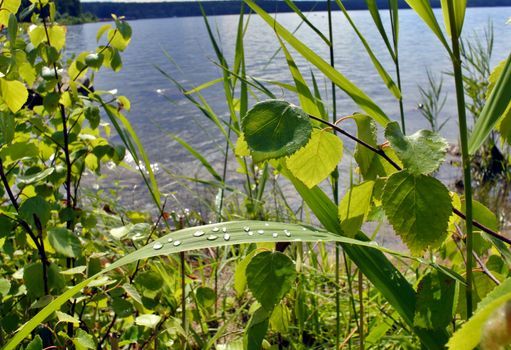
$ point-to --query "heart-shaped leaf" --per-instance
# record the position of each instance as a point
(276, 128)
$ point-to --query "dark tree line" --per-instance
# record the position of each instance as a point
(181, 9)
(64, 7)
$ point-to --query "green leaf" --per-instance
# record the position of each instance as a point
(371, 165)
(13, 93)
(206, 297)
(36, 343)
(8, 7)
(269, 277)
(494, 108)
(122, 307)
(280, 318)
(357, 95)
(147, 320)
(276, 128)
(316, 161)
(150, 280)
(117, 40)
(421, 153)
(35, 206)
(64, 242)
(63, 317)
(471, 332)
(459, 7)
(418, 207)
(30, 179)
(57, 35)
(83, 340)
(5, 287)
(424, 10)
(355, 206)
(240, 276)
(33, 277)
(256, 329)
(436, 300)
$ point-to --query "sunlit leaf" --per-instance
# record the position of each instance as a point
(148, 320)
(317, 159)
(13, 93)
(354, 207)
(8, 7)
(83, 340)
(418, 207)
(35, 206)
(459, 7)
(63, 317)
(276, 128)
(421, 153)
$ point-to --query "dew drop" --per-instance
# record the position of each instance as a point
(246, 228)
(215, 229)
(157, 246)
(304, 229)
(287, 233)
(212, 237)
(227, 237)
(275, 234)
(266, 224)
(250, 233)
(198, 233)
(169, 239)
(176, 243)
(224, 229)
(260, 232)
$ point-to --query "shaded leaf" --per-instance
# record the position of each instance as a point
(35, 344)
(436, 300)
(269, 277)
(418, 207)
(240, 276)
(64, 242)
(276, 128)
(83, 340)
(35, 206)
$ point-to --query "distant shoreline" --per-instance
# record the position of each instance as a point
(143, 10)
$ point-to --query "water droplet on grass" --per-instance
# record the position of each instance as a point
(198, 233)
(250, 233)
(227, 237)
(287, 233)
(215, 229)
(169, 239)
(246, 228)
(212, 237)
(224, 229)
(260, 232)
(157, 246)
(275, 234)
(176, 243)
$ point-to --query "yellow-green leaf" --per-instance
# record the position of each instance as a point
(354, 207)
(314, 162)
(459, 7)
(14, 94)
(8, 7)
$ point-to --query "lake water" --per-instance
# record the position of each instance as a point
(186, 40)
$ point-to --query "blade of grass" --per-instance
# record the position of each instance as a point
(357, 95)
(424, 10)
(376, 63)
(495, 106)
(375, 14)
(306, 20)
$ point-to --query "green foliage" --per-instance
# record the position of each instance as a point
(408, 203)
(275, 129)
(421, 153)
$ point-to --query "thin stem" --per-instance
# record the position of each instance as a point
(361, 305)
(463, 130)
(398, 70)
(335, 184)
(381, 153)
